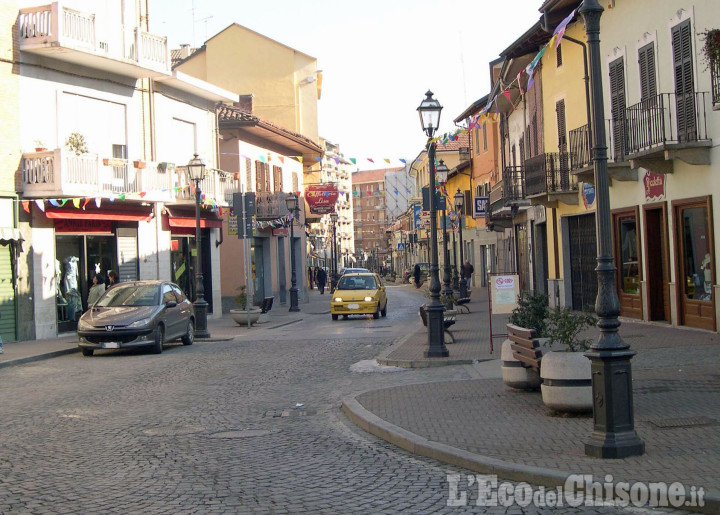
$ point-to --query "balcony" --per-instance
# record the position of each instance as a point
(581, 158)
(505, 198)
(61, 173)
(73, 36)
(715, 80)
(270, 206)
(548, 179)
(666, 127)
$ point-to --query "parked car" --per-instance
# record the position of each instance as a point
(137, 314)
(359, 294)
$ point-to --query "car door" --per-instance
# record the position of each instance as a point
(186, 307)
(382, 295)
(171, 315)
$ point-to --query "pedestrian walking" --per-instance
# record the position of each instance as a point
(416, 275)
(113, 278)
(311, 279)
(468, 270)
(96, 290)
(321, 279)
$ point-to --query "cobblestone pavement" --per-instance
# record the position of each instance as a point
(241, 426)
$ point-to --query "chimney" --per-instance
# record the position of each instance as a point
(184, 51)
(246, 103)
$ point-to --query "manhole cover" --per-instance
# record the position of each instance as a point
(241, 433)
(669, 423)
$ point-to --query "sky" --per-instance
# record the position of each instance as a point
(378, 58)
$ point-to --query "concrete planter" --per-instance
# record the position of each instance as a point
(514, 374)
(241, 316)
(566, 381)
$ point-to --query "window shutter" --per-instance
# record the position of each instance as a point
(558, 56)
(248, 174)
(617, 107)
(684, 84)
(561, 128)
(646, 61)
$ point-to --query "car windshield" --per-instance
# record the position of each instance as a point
(131, 295)
(357, 283)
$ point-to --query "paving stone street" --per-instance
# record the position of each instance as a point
(244, 425)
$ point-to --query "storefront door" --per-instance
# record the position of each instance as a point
(656, 257)
(695, 263)
(7, 294)
(627, 261)
(182, 261)
(583, 260)
(523, 259)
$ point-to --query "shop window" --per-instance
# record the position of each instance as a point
(696, 255)
(627, 238)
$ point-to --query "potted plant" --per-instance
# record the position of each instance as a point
(75, 142)
(711, 49)
(244, 313)
(565, 371)
(40, 146)
(530, 314)
(139, 164)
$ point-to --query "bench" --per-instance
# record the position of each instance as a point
(266, 304)
(525, 346)
(448, 321)
(462, 302)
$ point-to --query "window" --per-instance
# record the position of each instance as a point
(485, 145)
(558, 56)
(295, 182)
(167, 294)
(617, 107)
(561, 129)
(262, 176)
(684, 82)
(627, 243)
(696, 252)
(646, 60)
(248, 174)
(477, 141)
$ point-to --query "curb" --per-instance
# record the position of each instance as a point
(409, 363)
(410, 442)
(39, 357)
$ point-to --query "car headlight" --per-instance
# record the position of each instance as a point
(140, 323)
(83, 325)
(369, 299)
(337, 299)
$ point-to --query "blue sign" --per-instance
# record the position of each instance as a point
(480, 205)
(588, 194)
(417, 210)
(401, 246)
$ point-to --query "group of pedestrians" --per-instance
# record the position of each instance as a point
(317, 276)
(98, 286)
(467, 271)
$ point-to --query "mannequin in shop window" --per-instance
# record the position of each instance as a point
(707, 275)
(70, 281)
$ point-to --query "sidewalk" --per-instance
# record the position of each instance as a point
(487, 427)
(221, 329)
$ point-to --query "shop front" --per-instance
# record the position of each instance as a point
(89, 243)
(183, 249)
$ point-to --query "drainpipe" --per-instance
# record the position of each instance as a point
(587, 83)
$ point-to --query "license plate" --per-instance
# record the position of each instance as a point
(353, 306)
(110, 345)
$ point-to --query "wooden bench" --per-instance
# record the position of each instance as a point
(448, 321)
(266, 304)
(525, 346)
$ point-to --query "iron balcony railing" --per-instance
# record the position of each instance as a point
(666, 119)
(270, 206)
(715, 78)
(581, 154)
(549, 173)
(513, 184)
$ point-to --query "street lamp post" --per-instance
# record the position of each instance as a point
(333, 280)
(442, 176)
(196, 171)
(429, 111)
(613, 433)
(459, 204)
(291, 201)
(455, 278)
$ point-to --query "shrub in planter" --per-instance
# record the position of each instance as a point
(566, 380)
(531, 313)
(240, 315)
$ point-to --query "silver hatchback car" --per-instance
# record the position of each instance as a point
(137, 314)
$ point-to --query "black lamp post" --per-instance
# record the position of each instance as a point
(455, 278)
(459, 205)
(429, 111)
(196, 171)
(333, 280)
(442, 176)
(291, 201)
(613, 433)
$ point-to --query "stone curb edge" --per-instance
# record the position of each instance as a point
(409, 363)
(371, 423)
(39, 357)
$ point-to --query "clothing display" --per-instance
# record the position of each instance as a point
(71, 273)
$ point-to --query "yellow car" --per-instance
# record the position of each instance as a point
(359, 294)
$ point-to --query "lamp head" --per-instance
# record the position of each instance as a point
(291, 201)
(441, 172)
(429, 111)
(333, 217)
(459, 200)
(196, 168)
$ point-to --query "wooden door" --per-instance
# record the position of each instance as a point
(656, 257)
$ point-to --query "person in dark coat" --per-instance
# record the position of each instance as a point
(113, 278)
(468, 270)
(311, 281)
(321, 279)
(416, 275)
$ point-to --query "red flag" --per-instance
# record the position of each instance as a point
(506, 92)
(26, 206)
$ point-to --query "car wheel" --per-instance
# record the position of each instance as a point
(334, 317)
(384, 310)
(189, 337)
(87, 352)
(157, 347)
(376, 315)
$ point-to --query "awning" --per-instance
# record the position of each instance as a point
(10, 234)
(176, 221)
(132, 215)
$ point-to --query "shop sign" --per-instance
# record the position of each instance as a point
(654, 184)
(83, 226)
(280, 231)
(417, 213)
(588, 195)
(232, 224)
(480, 205)
(321, 198)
